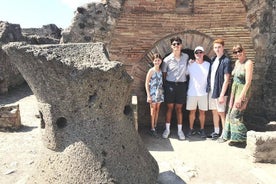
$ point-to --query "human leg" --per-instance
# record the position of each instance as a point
(213, 107)
(179, 115)
(192, 118)
(222, 118)
(215, 134)
(202, 118)
(170, 107)
(152, 114)
(156, 114)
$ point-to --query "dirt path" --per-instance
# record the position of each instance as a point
(196, 161)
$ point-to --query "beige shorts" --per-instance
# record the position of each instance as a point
(200, 101)
(215, 105)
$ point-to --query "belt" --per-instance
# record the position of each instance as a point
(176, 83)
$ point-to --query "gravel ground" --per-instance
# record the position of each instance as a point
(192, 161)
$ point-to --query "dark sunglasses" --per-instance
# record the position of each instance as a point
(177, 43)
(198, 52)
(238, 51)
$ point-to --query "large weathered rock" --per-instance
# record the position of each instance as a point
(82, 97)
(9, 75)
(48, 34)
(10, 32)
(93, 22)
(262, 146)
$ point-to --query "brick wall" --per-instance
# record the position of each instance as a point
(146, 26)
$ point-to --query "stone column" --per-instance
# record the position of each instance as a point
(82, 96)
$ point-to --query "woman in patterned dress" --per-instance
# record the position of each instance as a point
(235, 129)
(155, 92)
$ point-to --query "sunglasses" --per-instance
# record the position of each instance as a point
(198, 52)
(238, 51)
(176, 43)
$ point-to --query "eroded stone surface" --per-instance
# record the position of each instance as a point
(82, 97)
(262, 146)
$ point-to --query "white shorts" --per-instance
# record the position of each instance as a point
(215, 105)
(200, 101)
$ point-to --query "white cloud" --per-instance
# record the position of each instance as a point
(75, 3)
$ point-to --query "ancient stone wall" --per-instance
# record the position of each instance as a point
(9, 75)
(262, 21)
(48, 34)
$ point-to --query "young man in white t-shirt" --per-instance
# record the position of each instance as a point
(218, 86)
(197, 95)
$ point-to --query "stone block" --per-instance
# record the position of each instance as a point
(10, 117)
(84, 100)
(262, 146)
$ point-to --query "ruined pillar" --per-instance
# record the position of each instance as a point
(89, 135)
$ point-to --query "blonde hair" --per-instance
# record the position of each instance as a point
(238, 47)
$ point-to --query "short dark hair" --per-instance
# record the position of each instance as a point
(176, 38)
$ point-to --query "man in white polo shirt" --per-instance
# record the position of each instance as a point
(197, 95)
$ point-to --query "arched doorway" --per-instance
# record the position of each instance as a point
(191, 39)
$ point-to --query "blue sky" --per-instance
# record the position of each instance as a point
(36, 13)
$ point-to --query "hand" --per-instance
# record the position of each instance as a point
(238, 104)
(221, 99)
(191, 61)
(149, 99)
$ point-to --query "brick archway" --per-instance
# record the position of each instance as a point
(190, 38)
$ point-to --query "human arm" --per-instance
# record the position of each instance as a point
(224, 87)
(147, 82)
(164, 75)
(227, 69)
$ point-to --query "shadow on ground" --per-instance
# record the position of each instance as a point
(15, 94)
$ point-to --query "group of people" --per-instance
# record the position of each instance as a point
(178, 80)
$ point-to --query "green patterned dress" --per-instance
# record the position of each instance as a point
(235, 129)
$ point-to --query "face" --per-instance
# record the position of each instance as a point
(218, 49)
(157, 61)
(199, 54)
(176, 45)
(238, 52)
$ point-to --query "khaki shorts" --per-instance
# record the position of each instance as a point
(215, 105)
(200, 101)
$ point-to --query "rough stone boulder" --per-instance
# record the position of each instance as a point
(93, 22)
(262, 146)
(10, 32)
(9, 75)
(82, 97)
(48, 34)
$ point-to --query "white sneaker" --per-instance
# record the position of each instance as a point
(181, 135)
(166, 134)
